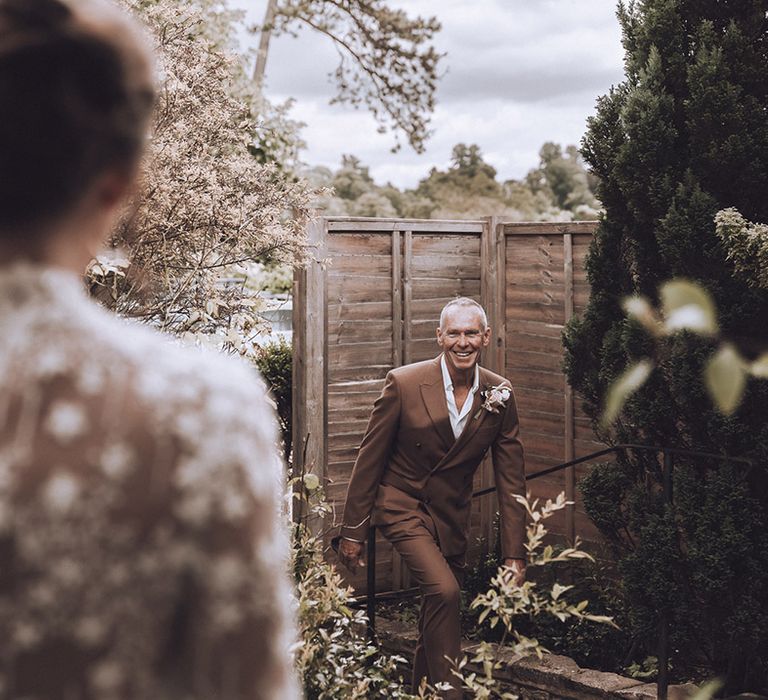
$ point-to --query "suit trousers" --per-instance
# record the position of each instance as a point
(414, 537)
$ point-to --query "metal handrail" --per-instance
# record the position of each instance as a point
(668, 454)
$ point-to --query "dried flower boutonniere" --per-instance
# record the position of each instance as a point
(495, 398)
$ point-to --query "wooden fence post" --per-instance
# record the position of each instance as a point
(310, 399)
(570, 428)
(398, 354)
(407, 297)
(491, 289)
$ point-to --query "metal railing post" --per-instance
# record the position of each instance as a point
(662, 684)
(371, 590)
(667, 473)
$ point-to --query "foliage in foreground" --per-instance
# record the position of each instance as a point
(684, 136)
(685, 306)
(599, 647)
(333, 655)
(505, 603)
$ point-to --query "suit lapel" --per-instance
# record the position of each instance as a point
(433, 395)
(470, 428)
(473, 424)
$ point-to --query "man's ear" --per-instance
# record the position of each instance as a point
(486, 336)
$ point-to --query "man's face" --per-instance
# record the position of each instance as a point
(462, 336)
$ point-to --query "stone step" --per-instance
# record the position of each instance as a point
(553, 677)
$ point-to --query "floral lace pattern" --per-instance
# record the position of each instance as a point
(141, 552)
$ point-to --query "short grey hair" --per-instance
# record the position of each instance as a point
(465, 302)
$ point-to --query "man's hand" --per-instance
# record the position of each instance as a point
(350, 554)
(516, 568)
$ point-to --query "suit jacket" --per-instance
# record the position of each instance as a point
(409, 446)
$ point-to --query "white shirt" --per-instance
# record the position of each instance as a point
(458, 418)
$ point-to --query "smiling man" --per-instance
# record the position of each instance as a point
(428, 432)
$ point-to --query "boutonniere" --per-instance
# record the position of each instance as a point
(494, 399)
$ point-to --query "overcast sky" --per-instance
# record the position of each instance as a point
(517, 73)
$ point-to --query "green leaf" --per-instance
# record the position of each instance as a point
(688, 306)
(639, 309)
(311, 482)
(627, 384)
(708, 690)
(759, 368)
(602, 619)
(558, 590)
(725, 378)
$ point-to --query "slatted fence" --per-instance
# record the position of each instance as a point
(369, 300)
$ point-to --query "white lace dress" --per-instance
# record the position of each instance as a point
(142, 553)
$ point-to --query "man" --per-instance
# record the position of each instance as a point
(428, 432)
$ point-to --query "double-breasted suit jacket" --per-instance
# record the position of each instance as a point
(409, 452)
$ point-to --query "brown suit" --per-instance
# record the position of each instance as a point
(414, 480)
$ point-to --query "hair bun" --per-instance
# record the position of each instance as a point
(33, 15)
(75, 98)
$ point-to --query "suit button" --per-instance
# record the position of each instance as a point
(418, 444)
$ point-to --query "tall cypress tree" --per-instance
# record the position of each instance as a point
(685, 135)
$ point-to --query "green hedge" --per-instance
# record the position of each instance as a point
(275, 362)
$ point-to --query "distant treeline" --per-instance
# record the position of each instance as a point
(558, 189)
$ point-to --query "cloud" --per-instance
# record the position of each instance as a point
(509, 135)
(543, 85)
(517, 73)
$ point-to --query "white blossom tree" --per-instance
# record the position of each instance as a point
(206, 204)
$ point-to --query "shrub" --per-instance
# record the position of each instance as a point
(333, 657)
(601, 647)
(206, 204)
(683, 136)
(275, 362)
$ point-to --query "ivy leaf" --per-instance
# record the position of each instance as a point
(627, 384)
(311, 482)
(725, 378)
(688, 306)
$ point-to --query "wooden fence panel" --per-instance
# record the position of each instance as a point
(360, 348)
(545, 281)
(369, 301)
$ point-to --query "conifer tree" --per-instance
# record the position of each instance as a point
(685, 135)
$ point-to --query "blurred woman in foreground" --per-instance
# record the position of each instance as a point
(140, 549)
